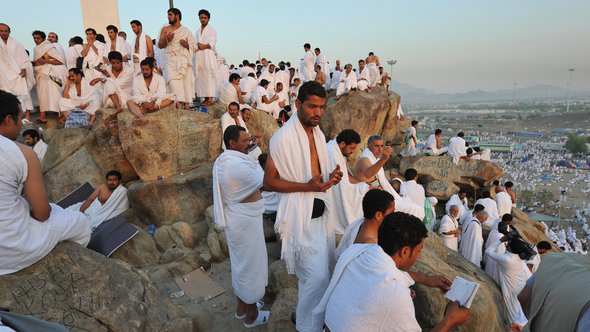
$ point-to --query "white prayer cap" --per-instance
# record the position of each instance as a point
(432, 200)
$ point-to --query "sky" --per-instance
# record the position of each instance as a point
(443, 46)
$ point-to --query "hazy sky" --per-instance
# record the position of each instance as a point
(444, 46)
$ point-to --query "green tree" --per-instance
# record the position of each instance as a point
(526, 197)
(544, 197)
(576, 144)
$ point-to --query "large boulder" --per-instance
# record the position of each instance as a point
(172, 142)
(86, 291)
(183, 197)
(473, 174)
(62, 145)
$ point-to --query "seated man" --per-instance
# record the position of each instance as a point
(363, 77)
(233, 117)
(410, 140)
(30, 227)
(230, 91)
(293, 93)
(269, 75)
(79, 99)
(481, 155)
(369, 290)
(262, 101)
(457, 148)
(107, 201)
(320, 77)
(117, 79)
(33, 140)
(247, 85)
(148, 93)
(434, 144)
(413, 189)
(385, 79)
(348, 81)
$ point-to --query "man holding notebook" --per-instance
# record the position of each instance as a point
(369, 290)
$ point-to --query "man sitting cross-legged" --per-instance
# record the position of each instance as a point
(79, 100)
(148, 93)
(117, 80)
(369, 290)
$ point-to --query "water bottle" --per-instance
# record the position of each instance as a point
(152, 229)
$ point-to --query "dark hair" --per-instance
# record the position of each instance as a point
(348, 136)
(485, 194)
(317, 49)
(136, 22)
(232, 133)
(306, 45)
(100, 38)
(438, 131)
(516, 246)
(112, 27)
(246, 62)
(469, 151)
(91, 30)
(508, 184)
(311, 88)
(233, 76)
(279, 83)
(206, 12)
(503, 227)
(410, 174)
(461, 134)
(31, 132)
(264, 82)
(175, 11)
(39, 33)
(361, 60)
(507, 217)
(56, 36)
(77, 71)
(544, 245)
(77, 40)
(233, 103)
(496, 183)
(147, 62)
(122, 33)
(262, 159)
(478, 207)
(115, 173)
(114, 55)
(400, 230)
(414, 122)
(462, 191)
(9, 105)
(376, 200)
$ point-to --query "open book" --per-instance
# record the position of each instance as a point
(462, 291)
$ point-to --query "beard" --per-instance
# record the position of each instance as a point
(172, 22)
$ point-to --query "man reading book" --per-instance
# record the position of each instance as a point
(369, 290)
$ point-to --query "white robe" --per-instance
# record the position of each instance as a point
(307, 244)
(48, 91)
(457, 148)
(306, 71)
(121, 47)
(141, 54)
(72, 55)
(270, 77)
(348, 197)
(373, 73)
(512, 279)
(431, 145)
(491, 208)
(235, 177)
(271, 201)
(447, 224)
(471, 246)
(347, 82)
(272, 108)
(349, 236)
(206, 63)
(410, 149)
(247, 85)
(88, 94)
(40, 149)
(179, 66)
(455, 200)
(245, 70)
(226, 121)
(120, 85)
(491, 266)
(13, 59)
(282, 76)
(98, 213)
(363, 79)
(335, 80)
(368, 292)
(465, 218)
(324, 67)
(228, 93)
(503, 203)
(140, 93)
(25, 240)
(414, 191)
(383, 182)
(93, 59)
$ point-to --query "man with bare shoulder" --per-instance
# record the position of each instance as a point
(30, 227)
(373, 66)
(297, 168)
(107, 201)
(320, 77)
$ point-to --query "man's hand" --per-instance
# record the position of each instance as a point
(170, 36)
(23, 72)
(336, 175)
(83, 107)
(440, 282)
(457, 232)
(258, 135)
(456, 315)
(184, 43)
(316, 184)
(387, 151)
(41, 61)
(94, 81)
(515, 327)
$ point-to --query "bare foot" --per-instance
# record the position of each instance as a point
(119, 110)
(92, 120)
(142, 121)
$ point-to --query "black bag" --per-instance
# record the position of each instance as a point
(79, 62)
(318, 208)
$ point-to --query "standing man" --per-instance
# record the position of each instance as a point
(410, 140)
(205, 61)
(298, 169)
(412, 188)
(180, 45)
(238, 208)
(306, 70)
(372, 65)
(52, 37)
(114, 43)
(472, 241)
(51, 74)
(320, 60)
(16, 72)
(449, 228)
(92, 52)
(142, 46)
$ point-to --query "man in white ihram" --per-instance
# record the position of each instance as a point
(205, 59)
(449, 228)
(115, 43)
(238, 207)
(503, 201)
(347, 81)
(413, 189)
(460, 200)
(180, 45)
(306, 70)
(233, 117)
(457, 148)
(350, 191)
(142, 46)
(490, 207)
(472, 241)
(434, 144)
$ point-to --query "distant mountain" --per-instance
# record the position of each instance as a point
(411, 94)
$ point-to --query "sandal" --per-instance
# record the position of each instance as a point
(260, 320)
(259, 306)
(39, 122)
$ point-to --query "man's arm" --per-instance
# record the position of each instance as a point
(365, 171)
(149, 46)
(455, 315)
(439, 281)
(164, 38)
(273, 182)
(33, 188)
(91, 198)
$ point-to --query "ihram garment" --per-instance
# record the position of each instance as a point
(51, 79)
(206, 63)
(179, 65)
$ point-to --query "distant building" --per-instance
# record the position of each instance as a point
(563, 131)
(497, 146)
(558, 147)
